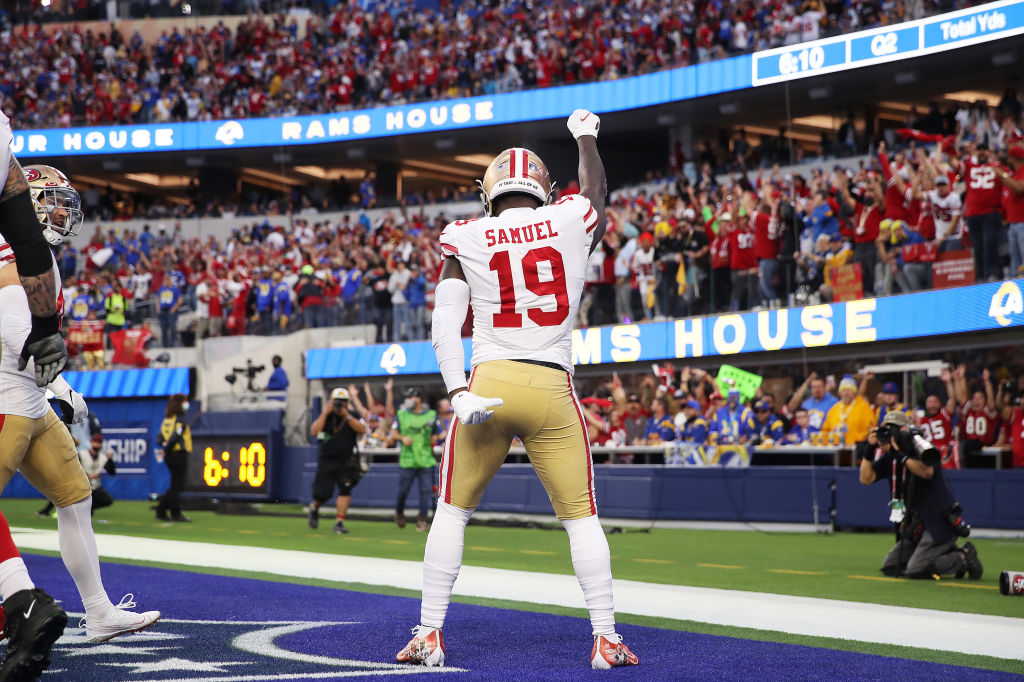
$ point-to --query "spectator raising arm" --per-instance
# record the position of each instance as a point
(353, 397)
(947, 379)
(801, 391)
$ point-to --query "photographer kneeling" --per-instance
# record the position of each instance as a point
(922, 504)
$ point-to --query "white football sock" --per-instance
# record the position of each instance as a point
(14, 577)
(77, 544)
(591, 559)
(442, 559)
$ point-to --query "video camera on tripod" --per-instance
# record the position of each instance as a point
(249, 372)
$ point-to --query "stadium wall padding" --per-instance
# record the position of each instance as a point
(759, 494)
(990, 497)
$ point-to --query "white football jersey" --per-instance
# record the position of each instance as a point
(943, 209)
(6, 137)
(643, 264)
(19, 394)
(525, 270)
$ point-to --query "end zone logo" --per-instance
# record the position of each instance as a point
(1006, 301)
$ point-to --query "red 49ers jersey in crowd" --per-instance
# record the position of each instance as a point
(980, 425)
(741, 249)
(938, 428)
(1017, 437)
(984, 190)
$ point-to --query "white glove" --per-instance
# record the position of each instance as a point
(72, 406)
(471, 408)
(582, 122)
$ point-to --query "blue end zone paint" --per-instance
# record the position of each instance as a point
(488, 643)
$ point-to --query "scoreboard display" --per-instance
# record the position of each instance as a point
(232, 466)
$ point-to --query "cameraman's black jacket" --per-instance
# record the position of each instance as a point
(928, 499)
(340, 446)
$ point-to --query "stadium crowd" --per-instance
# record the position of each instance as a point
(347, 55)
(674, 248)
(961, 411)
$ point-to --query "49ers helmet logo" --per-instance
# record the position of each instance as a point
(31, 174)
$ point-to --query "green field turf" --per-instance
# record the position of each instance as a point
(840, 566)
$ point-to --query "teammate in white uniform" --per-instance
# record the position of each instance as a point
(32, 438)
(522, 269)
(18, 220)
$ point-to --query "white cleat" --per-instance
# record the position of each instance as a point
(119, 622)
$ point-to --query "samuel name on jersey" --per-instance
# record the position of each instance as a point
(526, 269)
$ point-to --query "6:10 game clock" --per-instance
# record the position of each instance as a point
(229, 465)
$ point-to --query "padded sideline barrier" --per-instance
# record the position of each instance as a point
(990, 498)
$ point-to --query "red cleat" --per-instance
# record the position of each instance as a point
(425, 648)
(610, 652)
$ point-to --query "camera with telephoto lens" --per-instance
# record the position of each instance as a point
(886, 432)
(954, 517)
(911, 441)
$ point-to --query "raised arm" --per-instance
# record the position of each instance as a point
(798, 396)
(990, 396)
(389, 397)
(593, 184)
(862, 390)
(947, 379)
(960, 383)
(353, 396)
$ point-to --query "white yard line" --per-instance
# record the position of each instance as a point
(968, 633)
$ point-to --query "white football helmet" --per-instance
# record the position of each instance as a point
(58, 205)
(516, 170)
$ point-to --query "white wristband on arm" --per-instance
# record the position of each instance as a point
(451, 303)
(61, 388)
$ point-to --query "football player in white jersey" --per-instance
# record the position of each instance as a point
(32, 438)
(18, 221)
(522, 269)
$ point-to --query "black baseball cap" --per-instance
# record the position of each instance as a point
(414, 392)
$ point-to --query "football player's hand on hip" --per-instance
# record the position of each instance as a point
(471, 408)
(582, 122)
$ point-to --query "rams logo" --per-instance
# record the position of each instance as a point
(1006, 301)
(393, 359)
(229, 133)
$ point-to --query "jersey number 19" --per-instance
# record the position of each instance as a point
(501, 263)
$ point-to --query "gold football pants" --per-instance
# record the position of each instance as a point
(45, 453)
(541, 409)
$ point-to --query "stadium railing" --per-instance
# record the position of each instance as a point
(840, 456)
